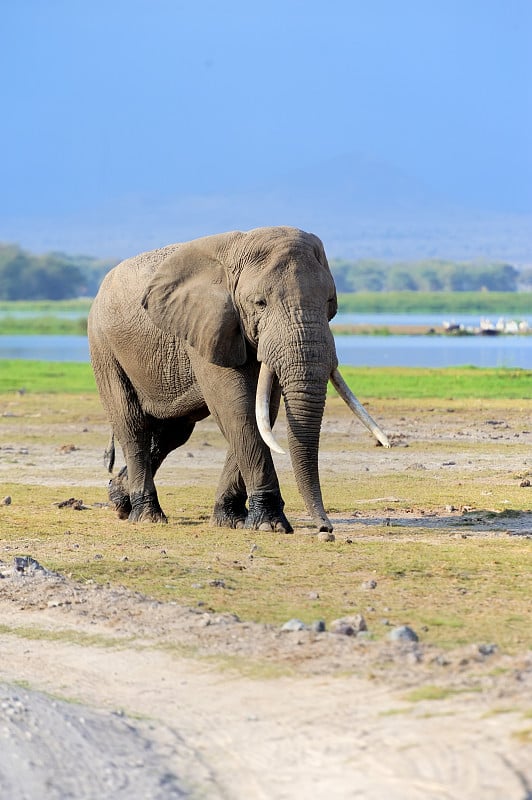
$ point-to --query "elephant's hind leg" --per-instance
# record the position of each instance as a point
(119, 494)
(166, 435)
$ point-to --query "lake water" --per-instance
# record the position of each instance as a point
(372, 351)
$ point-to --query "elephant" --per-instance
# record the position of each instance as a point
(222, 325)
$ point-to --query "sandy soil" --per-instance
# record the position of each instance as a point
(100, 697)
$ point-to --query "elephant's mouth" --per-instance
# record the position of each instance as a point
(262, 407)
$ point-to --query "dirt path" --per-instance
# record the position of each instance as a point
(155, 724)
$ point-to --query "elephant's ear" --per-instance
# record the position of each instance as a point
(188, 297)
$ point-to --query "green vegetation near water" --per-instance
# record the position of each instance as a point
(48, 317)
(445, 303)
(379, 382)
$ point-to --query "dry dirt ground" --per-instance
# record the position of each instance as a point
(105, 693)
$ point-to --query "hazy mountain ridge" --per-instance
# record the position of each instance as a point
(359, 208)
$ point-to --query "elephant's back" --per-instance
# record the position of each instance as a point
(137, 270)
(117, 316)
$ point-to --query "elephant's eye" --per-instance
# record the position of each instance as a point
(260, 302)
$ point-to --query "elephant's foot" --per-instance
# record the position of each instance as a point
(146, 508)
(230, 512)
(119, 495)
(266, 513)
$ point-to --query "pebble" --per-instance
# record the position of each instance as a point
(326, 536)
(318, 626)
(6, 500)
(403, 634)
(349, 626)
(294, 625)
(487, 649)
(313, 596)
(368, 584)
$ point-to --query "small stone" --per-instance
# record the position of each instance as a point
(318, 626)
(368, 584)
(7, 500)
(218, 583)
(403, 634)
(524, 483)
(326, 536)
(487, 649)
(313, 596)
(349, 626)
(294, 625)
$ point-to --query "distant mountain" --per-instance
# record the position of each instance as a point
(359, 207)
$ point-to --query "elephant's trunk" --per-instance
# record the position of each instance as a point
(304, 403)
(304, 406)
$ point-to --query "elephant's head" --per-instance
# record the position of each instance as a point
(266, 294)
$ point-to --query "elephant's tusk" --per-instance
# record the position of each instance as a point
(262, 408)
(357, 408)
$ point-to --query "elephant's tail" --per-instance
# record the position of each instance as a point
(109, 454)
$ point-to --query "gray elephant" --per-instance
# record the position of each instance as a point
(221, 325)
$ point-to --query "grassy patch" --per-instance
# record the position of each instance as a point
(436, 571)
(377, 382)
(43, 326)
(45, 377)
(430, 692)
(481, 583)
(438, 302)
(524, 736)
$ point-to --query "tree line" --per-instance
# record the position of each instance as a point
(52, 276)
(58, 276)
(430, 275)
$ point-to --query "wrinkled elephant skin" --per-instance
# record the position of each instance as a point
(179, 333)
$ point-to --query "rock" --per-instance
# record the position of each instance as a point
(524, 483)
(487, 649)
(326, 536)
(403, 634)
(349, 626)
(294, 625)
(6, 500)
(368, 584)
(313, 596)
(318, 626)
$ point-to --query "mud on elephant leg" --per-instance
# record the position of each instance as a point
(119, 494)
(138, 508)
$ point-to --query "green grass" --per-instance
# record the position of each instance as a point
(80, 305)
(448, 382)
(45, 377)
(43, 326)
(450, 581)
(366, 382)
(47, 319)
(480, 583)
(496, 303)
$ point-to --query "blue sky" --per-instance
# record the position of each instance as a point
(108, 98)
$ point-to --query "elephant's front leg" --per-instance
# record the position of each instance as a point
(230, 510)
(249, 468)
